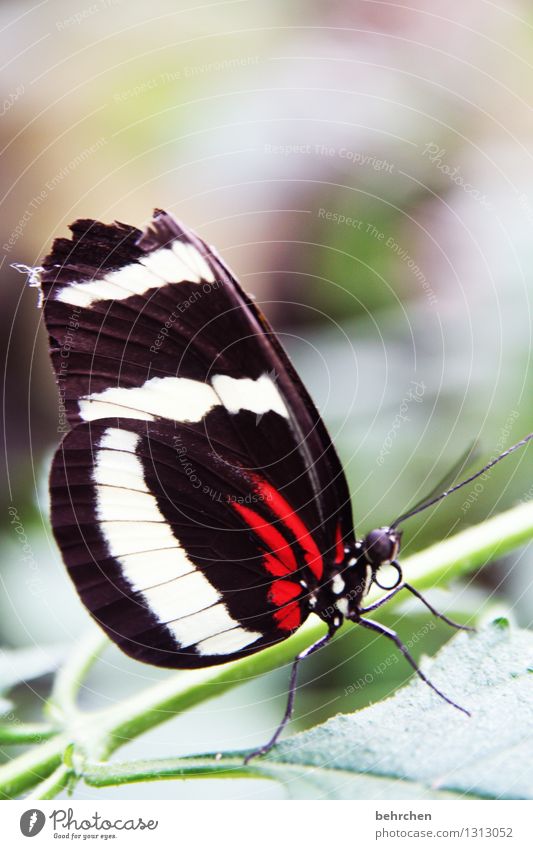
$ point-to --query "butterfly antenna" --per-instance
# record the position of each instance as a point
(464, 462)
(437, 498)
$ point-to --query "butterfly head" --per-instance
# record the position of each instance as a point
(380, 548)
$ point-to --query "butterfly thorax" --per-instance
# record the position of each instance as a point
(341, 597)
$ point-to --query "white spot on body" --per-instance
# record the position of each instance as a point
(337, 584)
(342, 605)
(368, 580)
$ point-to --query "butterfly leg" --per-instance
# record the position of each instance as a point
(292, 691)
(430, 607)
(405, 586)
(392, 635)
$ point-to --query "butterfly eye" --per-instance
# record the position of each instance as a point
(381, 546)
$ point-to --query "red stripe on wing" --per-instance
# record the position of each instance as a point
(288, 618)
(282, 592)
(281, 560)
(339, 547)
(275, 566)
(291, 520)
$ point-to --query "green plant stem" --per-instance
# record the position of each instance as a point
(106, 775)
(18, 733)
(96, 735)
(32, 767)
(472, 548)
(62, 705)
(54, 784)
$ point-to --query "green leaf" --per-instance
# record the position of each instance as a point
(337, 784)
(411, 746)
(415, 737)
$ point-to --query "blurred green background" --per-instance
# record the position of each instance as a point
(367, 171)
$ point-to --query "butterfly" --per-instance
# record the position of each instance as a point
(198, 502)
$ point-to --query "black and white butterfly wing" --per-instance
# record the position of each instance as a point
(195, 455)
(183, 557)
